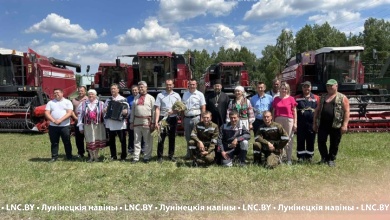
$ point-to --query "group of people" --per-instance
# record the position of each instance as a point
(216, 128)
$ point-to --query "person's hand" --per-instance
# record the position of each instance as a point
(152, 127)
(344, 129)
(271, 146)
(204, 153)
(234, 143)
(315, 127)
(250, 126)
(294, 128)
(124, 112)
(81, 131)
(225, 155)
(201, 146)
(105, 110)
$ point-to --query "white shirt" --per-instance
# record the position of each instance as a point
(114, 125)
(165, 102)
(193, 101)
(58, 110)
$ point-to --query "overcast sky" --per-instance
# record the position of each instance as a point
(92, 31)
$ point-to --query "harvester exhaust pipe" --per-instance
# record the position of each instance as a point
(55, 61)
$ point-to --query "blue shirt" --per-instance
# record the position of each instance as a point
(261, 104)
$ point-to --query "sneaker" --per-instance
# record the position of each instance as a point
(134, 161)
(172, 159)
(159, 160)
(322, 161)
(289, 163)
(242, 164)
(300, 160)
(52, 160)
(146, 160)
(194, 164)
(331, 163)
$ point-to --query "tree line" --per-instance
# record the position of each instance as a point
(374, 38)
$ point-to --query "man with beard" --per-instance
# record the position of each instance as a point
(217, 103)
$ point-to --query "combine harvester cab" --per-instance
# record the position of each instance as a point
(27, 81)
(156, 67)
(109, 73)
(231, 74)
(369, 105)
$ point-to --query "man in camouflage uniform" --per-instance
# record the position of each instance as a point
(270, 140)
(203, 140)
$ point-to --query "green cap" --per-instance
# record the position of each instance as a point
(331, 82)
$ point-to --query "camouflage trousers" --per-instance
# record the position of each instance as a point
(196, 154)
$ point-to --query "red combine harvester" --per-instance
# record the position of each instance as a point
(109, 73)
(370, 105)
(231, 74)
(156, 67)
(27, 81)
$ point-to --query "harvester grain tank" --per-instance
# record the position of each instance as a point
(27, 82)
(370, 106)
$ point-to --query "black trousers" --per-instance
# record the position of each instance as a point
(55, 133)
(79, 141)
(171, 133)
(256, 125)
(334, 138)
(122, 138)
(305, 141)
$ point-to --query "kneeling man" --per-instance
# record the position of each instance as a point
(203, 140)
(270, 139)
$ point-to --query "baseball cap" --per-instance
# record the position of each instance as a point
(307, 83)
(331, 82)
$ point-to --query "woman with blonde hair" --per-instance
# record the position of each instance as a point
(285, 113)
(91, 123)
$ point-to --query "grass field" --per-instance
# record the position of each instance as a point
(360, 181)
